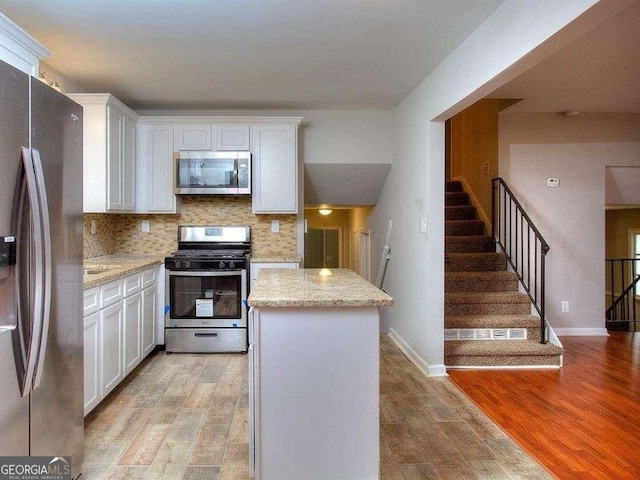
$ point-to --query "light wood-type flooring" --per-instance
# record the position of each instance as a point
(581, 422)
(185, 416)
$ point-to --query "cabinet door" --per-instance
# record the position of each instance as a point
(114, 159)
(231, 137)
(132, 348)
(275, 181)
(193, 137)
(159, 179)
(128, 164)
(149, 300)
(111, 338)
(91, 361)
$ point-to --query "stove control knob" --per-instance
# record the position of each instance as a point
(178, 263)
(232, 264)
(187, 264)
(221, 265)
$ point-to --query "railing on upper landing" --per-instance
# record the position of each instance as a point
(623, 276)
(525, 248)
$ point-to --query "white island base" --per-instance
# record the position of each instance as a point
(314, 393)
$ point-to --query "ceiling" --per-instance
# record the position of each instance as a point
(598, 73)
(344, 183)
(252, 54)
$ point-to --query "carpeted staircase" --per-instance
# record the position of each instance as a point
(482, 298)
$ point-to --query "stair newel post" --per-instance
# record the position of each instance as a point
(543, 321)
(493, 213)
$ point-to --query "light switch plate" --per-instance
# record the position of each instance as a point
(275, 226)
(93, 227)
(553, 182)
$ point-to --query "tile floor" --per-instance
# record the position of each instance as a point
(185, 417)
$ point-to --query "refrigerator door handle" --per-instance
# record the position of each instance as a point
(37, 273)
(46, 261)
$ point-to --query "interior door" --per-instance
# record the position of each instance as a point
(14, 133)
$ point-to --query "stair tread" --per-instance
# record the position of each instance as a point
(481, 275)
(498, 348)
(486, 297)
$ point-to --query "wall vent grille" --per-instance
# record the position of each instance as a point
(485, 334)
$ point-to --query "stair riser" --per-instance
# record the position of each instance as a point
(480, 285)
(453, 186)
(507, 361)
(456, 198)
(478, 264)
(471, 227)
(532, 333)
(461, 212)
(487, 309)
(467, 244)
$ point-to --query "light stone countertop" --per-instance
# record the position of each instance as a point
(276, 259)
(113, 267)
(306, 287)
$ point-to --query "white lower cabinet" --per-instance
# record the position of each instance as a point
(149, 301)
(119, 331)
(132, 332)
(110, 352)
(91, 361)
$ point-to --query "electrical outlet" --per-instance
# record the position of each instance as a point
(275, 226)
(94, 227)
(145, 226)
(565, 306)
(423, 224)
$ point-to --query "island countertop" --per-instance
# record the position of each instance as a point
(314, 287)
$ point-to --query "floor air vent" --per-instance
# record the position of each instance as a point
(485, 334)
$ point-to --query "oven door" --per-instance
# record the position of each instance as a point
(201, 299)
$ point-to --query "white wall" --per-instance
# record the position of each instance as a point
(495, 53)
(571, 218)
(622, 185)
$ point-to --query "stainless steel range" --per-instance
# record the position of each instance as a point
(206, 290)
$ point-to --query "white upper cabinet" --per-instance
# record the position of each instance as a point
(275, 168)
(154, 163)
(108, 152)
(232, 137)
(192, 137)
(19, 49)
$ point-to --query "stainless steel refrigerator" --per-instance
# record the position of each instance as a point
(41, 339)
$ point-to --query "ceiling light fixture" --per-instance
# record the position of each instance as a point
(325, 211)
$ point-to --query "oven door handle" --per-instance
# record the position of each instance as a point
(206, 273)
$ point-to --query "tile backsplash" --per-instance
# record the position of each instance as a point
(121, 233)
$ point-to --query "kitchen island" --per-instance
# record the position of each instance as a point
(314, 375)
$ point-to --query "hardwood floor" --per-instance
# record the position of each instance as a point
(185, 416)
(581, 422)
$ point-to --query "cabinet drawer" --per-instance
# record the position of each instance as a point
(91, 301)
(111, 293)
(132, 284)
(149, 277)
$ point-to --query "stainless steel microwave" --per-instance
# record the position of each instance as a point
(212, 173)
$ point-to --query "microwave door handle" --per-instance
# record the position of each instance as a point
(36, 272)
(47, 263)
(235, 173)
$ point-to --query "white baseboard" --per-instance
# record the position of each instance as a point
(581, 332)
(435, 370)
